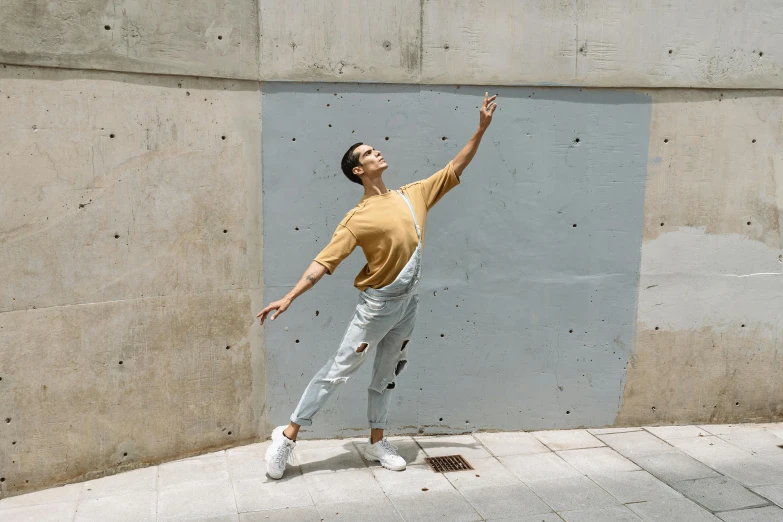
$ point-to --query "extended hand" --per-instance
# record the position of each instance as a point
(280, 305)
(487, 109)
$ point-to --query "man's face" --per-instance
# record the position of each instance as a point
(371, 161)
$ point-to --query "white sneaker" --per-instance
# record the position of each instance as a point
(279, 453)
(385, 453)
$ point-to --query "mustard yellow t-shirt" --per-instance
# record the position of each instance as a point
(383, 227)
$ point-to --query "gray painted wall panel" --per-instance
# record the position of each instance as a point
(506, 274)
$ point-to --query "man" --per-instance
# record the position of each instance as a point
(389, 227)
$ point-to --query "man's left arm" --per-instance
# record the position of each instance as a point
(464, 157)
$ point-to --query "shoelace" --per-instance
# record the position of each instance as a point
(388, 446)
(284, 455)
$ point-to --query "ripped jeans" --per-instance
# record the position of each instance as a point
(383, 323)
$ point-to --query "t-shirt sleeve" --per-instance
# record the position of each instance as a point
(342, 244)
(437, 185)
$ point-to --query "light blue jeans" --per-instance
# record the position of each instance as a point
(383, 323)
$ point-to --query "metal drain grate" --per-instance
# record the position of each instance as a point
(448, 463)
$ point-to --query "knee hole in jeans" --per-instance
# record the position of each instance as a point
(361, 348)
(404, 344)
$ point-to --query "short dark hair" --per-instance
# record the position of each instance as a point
(351, 160)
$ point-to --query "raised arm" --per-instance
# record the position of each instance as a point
(312, 275)
(464, 157)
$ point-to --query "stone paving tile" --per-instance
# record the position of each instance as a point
(672, 467)
(138, 506)
(343, 486)
(759, 442)
(709, 450)
(375, 510)
(55, 512)
(200, 471)
(408, 449)
(634, 486)
(546, 517)
(145, 479)
(487, 472)
(719, 493)
(672, 510)
(637, 444)
(753, 471)
(266, 493)
(199, 501)
(608, 514)
(676, 432)
(513, 443)
(329, 458)
(69, 493)
(464, 445)
(610, 431)
(410, 481)
(721, 429)
(596, 460)
(247, 462)
(426, 506)
(762, 514)
(300, 514)
(540, 466)
(572, 493)
(498, 501)
(560, 440)
(773, 493)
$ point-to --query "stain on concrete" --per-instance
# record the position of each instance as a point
(533, 316)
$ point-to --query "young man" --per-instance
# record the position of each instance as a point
(389, 227)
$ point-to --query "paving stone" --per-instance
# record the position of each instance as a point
(609, 514)
(637, 444)
(609, 431)
(196, 502)
(676, 432)
(720, 429)
(709, 450)
(145, 479)
(499, 501)
(559, 440)
(247, 462)
(426, 506)
(407, 448)
(138, 506)
(752, 471)
(514, 443)
(300, 514)
(343, 486)
(329, 458)
(773, 493)
(56, 512)
(757, 442)
(486, 472)
(597, 460)
(672, 467)
(410, 481)
(572, 493)
(546, 517)
(200, 471)
(376, 510)
(719, 493)
(634, 486)
(464, 445)
(69, 493)
(267, 493)
(673, 510)
(540, 466)
(762, 514)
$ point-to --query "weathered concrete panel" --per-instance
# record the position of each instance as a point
(711, 290)
(344, 41)
(87, 156)
(201, 38)
(507, 275)
(604, 43)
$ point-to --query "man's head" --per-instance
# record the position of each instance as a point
(363, 162)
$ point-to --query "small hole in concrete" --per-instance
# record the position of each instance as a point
(443, 138)
(443, 335)
(116, 236)
(748, 222)
(653, 408)
(743, 326)
(568, 412)
(330, 124)
(8, 420)
(424, 489)
(293, 139)
(220, 37)
(229, 433)
(387, 138)
(297, 341)
(736, 404)
(656, 328)
(441, 419)
(111, 136)
(188, 93)
(107, 27)
(570, 331)
(661, 224)
(228, 347)
(761, 53)
(446, 47)
(120, 362)
(13, 443)
(666, 140)
(328, 104)
(670, 51)
(297, 229)
(222, 137)
(753, 140)
(576, 140)
(316, 313)
(2, 479)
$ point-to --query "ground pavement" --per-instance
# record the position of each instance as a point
(732, 473)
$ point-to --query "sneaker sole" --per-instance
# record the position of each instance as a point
(376, 459)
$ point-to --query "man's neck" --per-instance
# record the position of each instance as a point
(375, 188)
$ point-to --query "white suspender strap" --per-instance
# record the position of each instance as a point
(415, 222)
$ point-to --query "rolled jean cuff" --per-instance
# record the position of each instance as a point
(300, 421)
(377, 425)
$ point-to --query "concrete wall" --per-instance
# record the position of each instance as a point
(172, 291)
